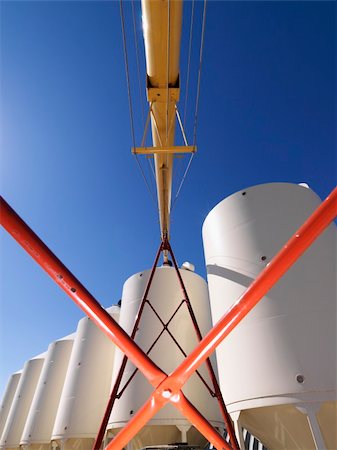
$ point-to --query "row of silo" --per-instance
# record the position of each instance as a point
(59, 397)
(277, 369)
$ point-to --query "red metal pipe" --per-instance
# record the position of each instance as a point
(77, 292)
(278, 266)
(157, 400)
(199, 421)
(139, 420)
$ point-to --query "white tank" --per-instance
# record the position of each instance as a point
(86, 388)
(278, 367)
(165, 295)
(8, 398)
(18, 412)
(42, 413)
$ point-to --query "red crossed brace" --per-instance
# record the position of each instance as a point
(168, 387)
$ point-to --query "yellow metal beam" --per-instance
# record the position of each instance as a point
(165, 150)
(162, 21)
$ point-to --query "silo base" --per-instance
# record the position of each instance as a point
(158, 435)
(308, 426)
(41, 446)
(73, 444)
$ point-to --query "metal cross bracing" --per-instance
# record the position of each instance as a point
(165, 247)
(167, 388)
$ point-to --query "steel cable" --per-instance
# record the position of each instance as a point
(180, 165)
(130, 99)
(189, 61)
(196, 102)
(138, 73)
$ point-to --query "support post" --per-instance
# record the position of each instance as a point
(238, 429)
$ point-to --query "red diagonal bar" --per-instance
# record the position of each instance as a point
(66, 280)
(138, 421)
(199, 421)
(157, 400)
(278, 266)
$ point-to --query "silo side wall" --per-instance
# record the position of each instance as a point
(8, 399)
(18, 413)
(42, 413)
(87, 384)
(284, 351)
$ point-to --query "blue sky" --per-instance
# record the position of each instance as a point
(267, 113)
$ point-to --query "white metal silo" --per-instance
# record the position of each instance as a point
(19, 409)
(42, 413)
(86, 388)
(278, 367)
(165, 296)
(8, 398)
